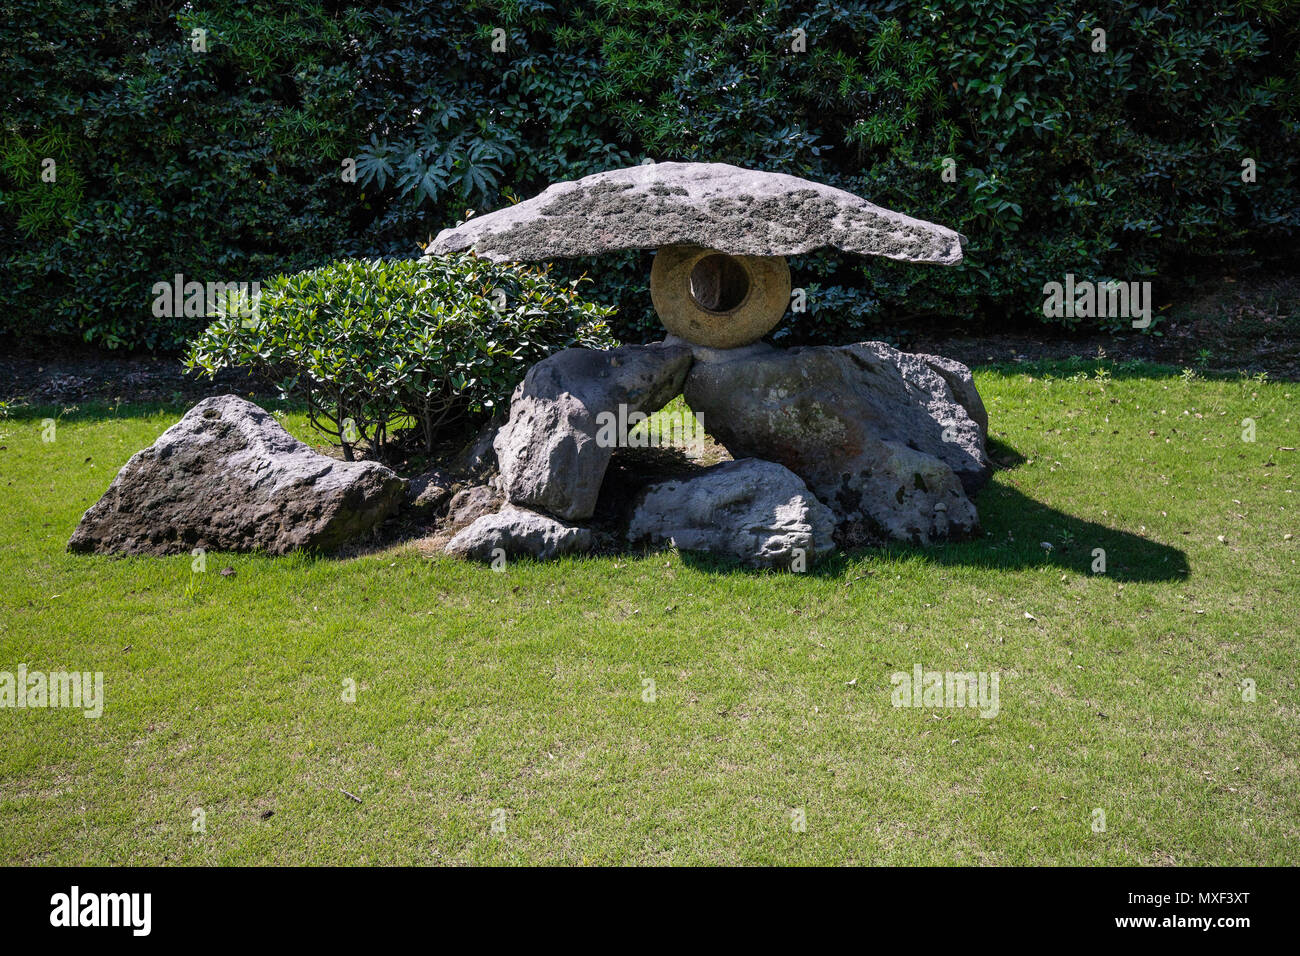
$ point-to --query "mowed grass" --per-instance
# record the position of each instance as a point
(520, 697)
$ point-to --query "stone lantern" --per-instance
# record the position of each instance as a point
(834, 444)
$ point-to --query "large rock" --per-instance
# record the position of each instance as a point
(756, 511)
(227, 477)
(876, 434)
(519, 532)
(740, 212)
(945, 389)
(548, 452)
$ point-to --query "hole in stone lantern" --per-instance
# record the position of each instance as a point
(719, 283)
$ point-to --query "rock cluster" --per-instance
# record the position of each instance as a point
(851, 445)
(846, 445)
(832, 445)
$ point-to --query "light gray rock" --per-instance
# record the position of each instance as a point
(705, 353)
(962, 384)
(732, 210)
(756, 511)
(227, 477)
(519, 532)
(548, 452)
(876, 434)
(946, 390)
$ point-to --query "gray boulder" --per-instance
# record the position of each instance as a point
(756, 511)
(548, 452)
(519, 532)
(740, 212)
(876, 434)
(227, 477)
(945, 389)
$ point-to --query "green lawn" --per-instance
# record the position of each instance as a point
(523, 690)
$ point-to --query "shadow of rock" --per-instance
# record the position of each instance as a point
(1015, 528)
(1002, 455)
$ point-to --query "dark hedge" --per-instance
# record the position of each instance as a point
(228, 165)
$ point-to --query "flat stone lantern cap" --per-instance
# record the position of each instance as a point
(738, 212)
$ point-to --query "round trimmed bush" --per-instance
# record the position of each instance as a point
(373, 345)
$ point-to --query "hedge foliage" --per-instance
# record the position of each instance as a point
(227, 165)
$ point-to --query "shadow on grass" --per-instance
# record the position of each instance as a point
(1015, 528)
(1003, 455)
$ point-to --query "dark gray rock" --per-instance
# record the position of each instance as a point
(470, 504)
(478, 458)
(519, 532)
(735, 211)
(876, 434)
(428, 492)
(758, 512)
(227, 477)
(548, 452)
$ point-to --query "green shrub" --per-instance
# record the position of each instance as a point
(373, 345)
